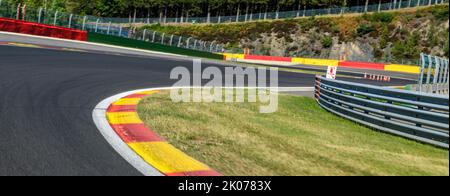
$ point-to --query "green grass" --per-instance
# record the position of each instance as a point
(300, 139)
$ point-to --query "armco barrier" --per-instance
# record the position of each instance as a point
(32, 28)
(362, 65)
(423, 117)
(411, 69)
(268, 58)
(319, 62)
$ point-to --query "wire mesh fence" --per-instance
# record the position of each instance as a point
(302, 12)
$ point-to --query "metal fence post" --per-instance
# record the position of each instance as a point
(436, 70)
(120, 31)
(400, 4)
(54, 20)
(195, 44)
(143, 34)
(162, 38)
(84, 23)
(70, 20)
(171, 40)
(187, 42)
(218, 20)
(422, 71)
(429, 2)
(179, 41)
(39, 15)
(109, 27)
(18, 12)
(96, 25)
(304, 11)
(446, 77)
(409, 3)
(430, 66)
(153, 37)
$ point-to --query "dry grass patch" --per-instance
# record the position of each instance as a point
(300, 139)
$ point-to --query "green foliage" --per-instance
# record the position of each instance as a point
(385, 17)
(408, 50)
(364, 29)
(446, 44)
(327, 41)
(384, 39)
(143, 8)
(440, 13)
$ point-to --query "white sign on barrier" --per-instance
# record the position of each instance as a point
(331, 72)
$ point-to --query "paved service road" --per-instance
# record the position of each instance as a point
(46, 102)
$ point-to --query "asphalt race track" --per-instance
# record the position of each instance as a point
(46, 102)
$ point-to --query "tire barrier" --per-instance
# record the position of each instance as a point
(420, 116)
(18, 26)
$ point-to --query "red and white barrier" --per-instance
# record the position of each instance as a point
(18, 26)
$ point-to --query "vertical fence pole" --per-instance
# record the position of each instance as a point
(84, 23)
(70, 20)
(195, 44)
(379, 6)
(154, 35)
(429, 2)
(436, 70)
(171, 40)
(24, 10)
(400, 4)
(120, 31)
(56, 17)
(218, 20)
(187, 42)
(109, 27)
(39, 15)
(422, 71)
(18, 12)
(179, 41)
(446, 77)
(162, 38)
(96, 25)
(430, 66)
(304, 11)
(143, 34)
(418, 3)
(409, 3)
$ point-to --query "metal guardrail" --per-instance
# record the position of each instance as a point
(420, 116)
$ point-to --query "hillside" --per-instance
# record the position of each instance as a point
(387, 36)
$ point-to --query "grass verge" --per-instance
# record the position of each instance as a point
(300, 139)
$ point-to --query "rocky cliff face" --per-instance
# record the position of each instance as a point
(393, 36)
